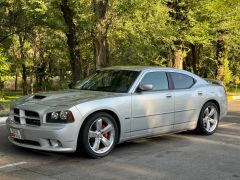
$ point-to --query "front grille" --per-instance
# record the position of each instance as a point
(16, 115)
(27, 142)
(17, 119)
(33, 122)
(16, 111)
(31, 113)
(26, 117)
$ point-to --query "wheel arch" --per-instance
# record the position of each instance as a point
(112, 113)
(215, 102)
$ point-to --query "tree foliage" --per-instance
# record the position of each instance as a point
(69, 39)
(4, 68)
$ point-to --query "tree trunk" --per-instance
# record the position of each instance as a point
(73, 45)
(100, 43)
(187, 63)
(37, 82)
(178, 15)
(16, 80)
(61, 75)
(1, 85)
(24, 79)
(31, 83)
(24, 69)
(194, 57)
(179, 57)
(219, 54)
(40, 73)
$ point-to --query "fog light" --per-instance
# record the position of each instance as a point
(55, 143)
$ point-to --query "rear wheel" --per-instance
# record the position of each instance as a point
(99, 135)
(208, 119)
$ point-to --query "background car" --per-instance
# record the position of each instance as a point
(114, 105)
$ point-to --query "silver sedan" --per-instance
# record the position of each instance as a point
(114, 105)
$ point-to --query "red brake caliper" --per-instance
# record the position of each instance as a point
(103, 126)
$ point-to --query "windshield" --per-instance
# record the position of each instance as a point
(109, 81)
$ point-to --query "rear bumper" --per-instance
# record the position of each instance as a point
(57, 138)
(223, 108)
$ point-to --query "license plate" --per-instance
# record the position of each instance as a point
(15, 133)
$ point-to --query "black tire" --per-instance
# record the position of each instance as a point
(201, 127)
(83, 139)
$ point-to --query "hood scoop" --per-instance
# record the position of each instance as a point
(38, 96)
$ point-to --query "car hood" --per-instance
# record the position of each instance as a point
(64, 98)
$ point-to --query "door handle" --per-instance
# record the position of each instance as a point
(200, 93)
(168, 96)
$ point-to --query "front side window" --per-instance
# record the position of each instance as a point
(109, 81)
(182, 81)
(157, 79)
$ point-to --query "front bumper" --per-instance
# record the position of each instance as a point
(45, 137)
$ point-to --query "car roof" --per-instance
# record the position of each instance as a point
(147, 68)
(138, 68)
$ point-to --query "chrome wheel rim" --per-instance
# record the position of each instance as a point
(101, 135)
(210, 118)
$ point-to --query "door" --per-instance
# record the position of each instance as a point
(153, 110)
(185, 100)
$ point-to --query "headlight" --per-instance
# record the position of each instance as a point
(54, 115)
(64, 116)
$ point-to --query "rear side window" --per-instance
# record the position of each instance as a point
(157, 79)
(182, 81)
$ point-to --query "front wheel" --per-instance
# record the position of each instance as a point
(208, 119)
(99, 135)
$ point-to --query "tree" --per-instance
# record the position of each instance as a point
(178, 18)
(73, 44)
(4, 69)
(140, 34)
(67, 40)
(99, 33)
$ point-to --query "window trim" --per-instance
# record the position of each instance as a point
(172, 83)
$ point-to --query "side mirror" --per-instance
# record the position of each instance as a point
(145, 87)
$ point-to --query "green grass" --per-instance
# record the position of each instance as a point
(6, 96)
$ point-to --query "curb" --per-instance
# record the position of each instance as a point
(3, 120)
(230, 98)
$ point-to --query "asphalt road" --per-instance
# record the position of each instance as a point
(179, 156)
